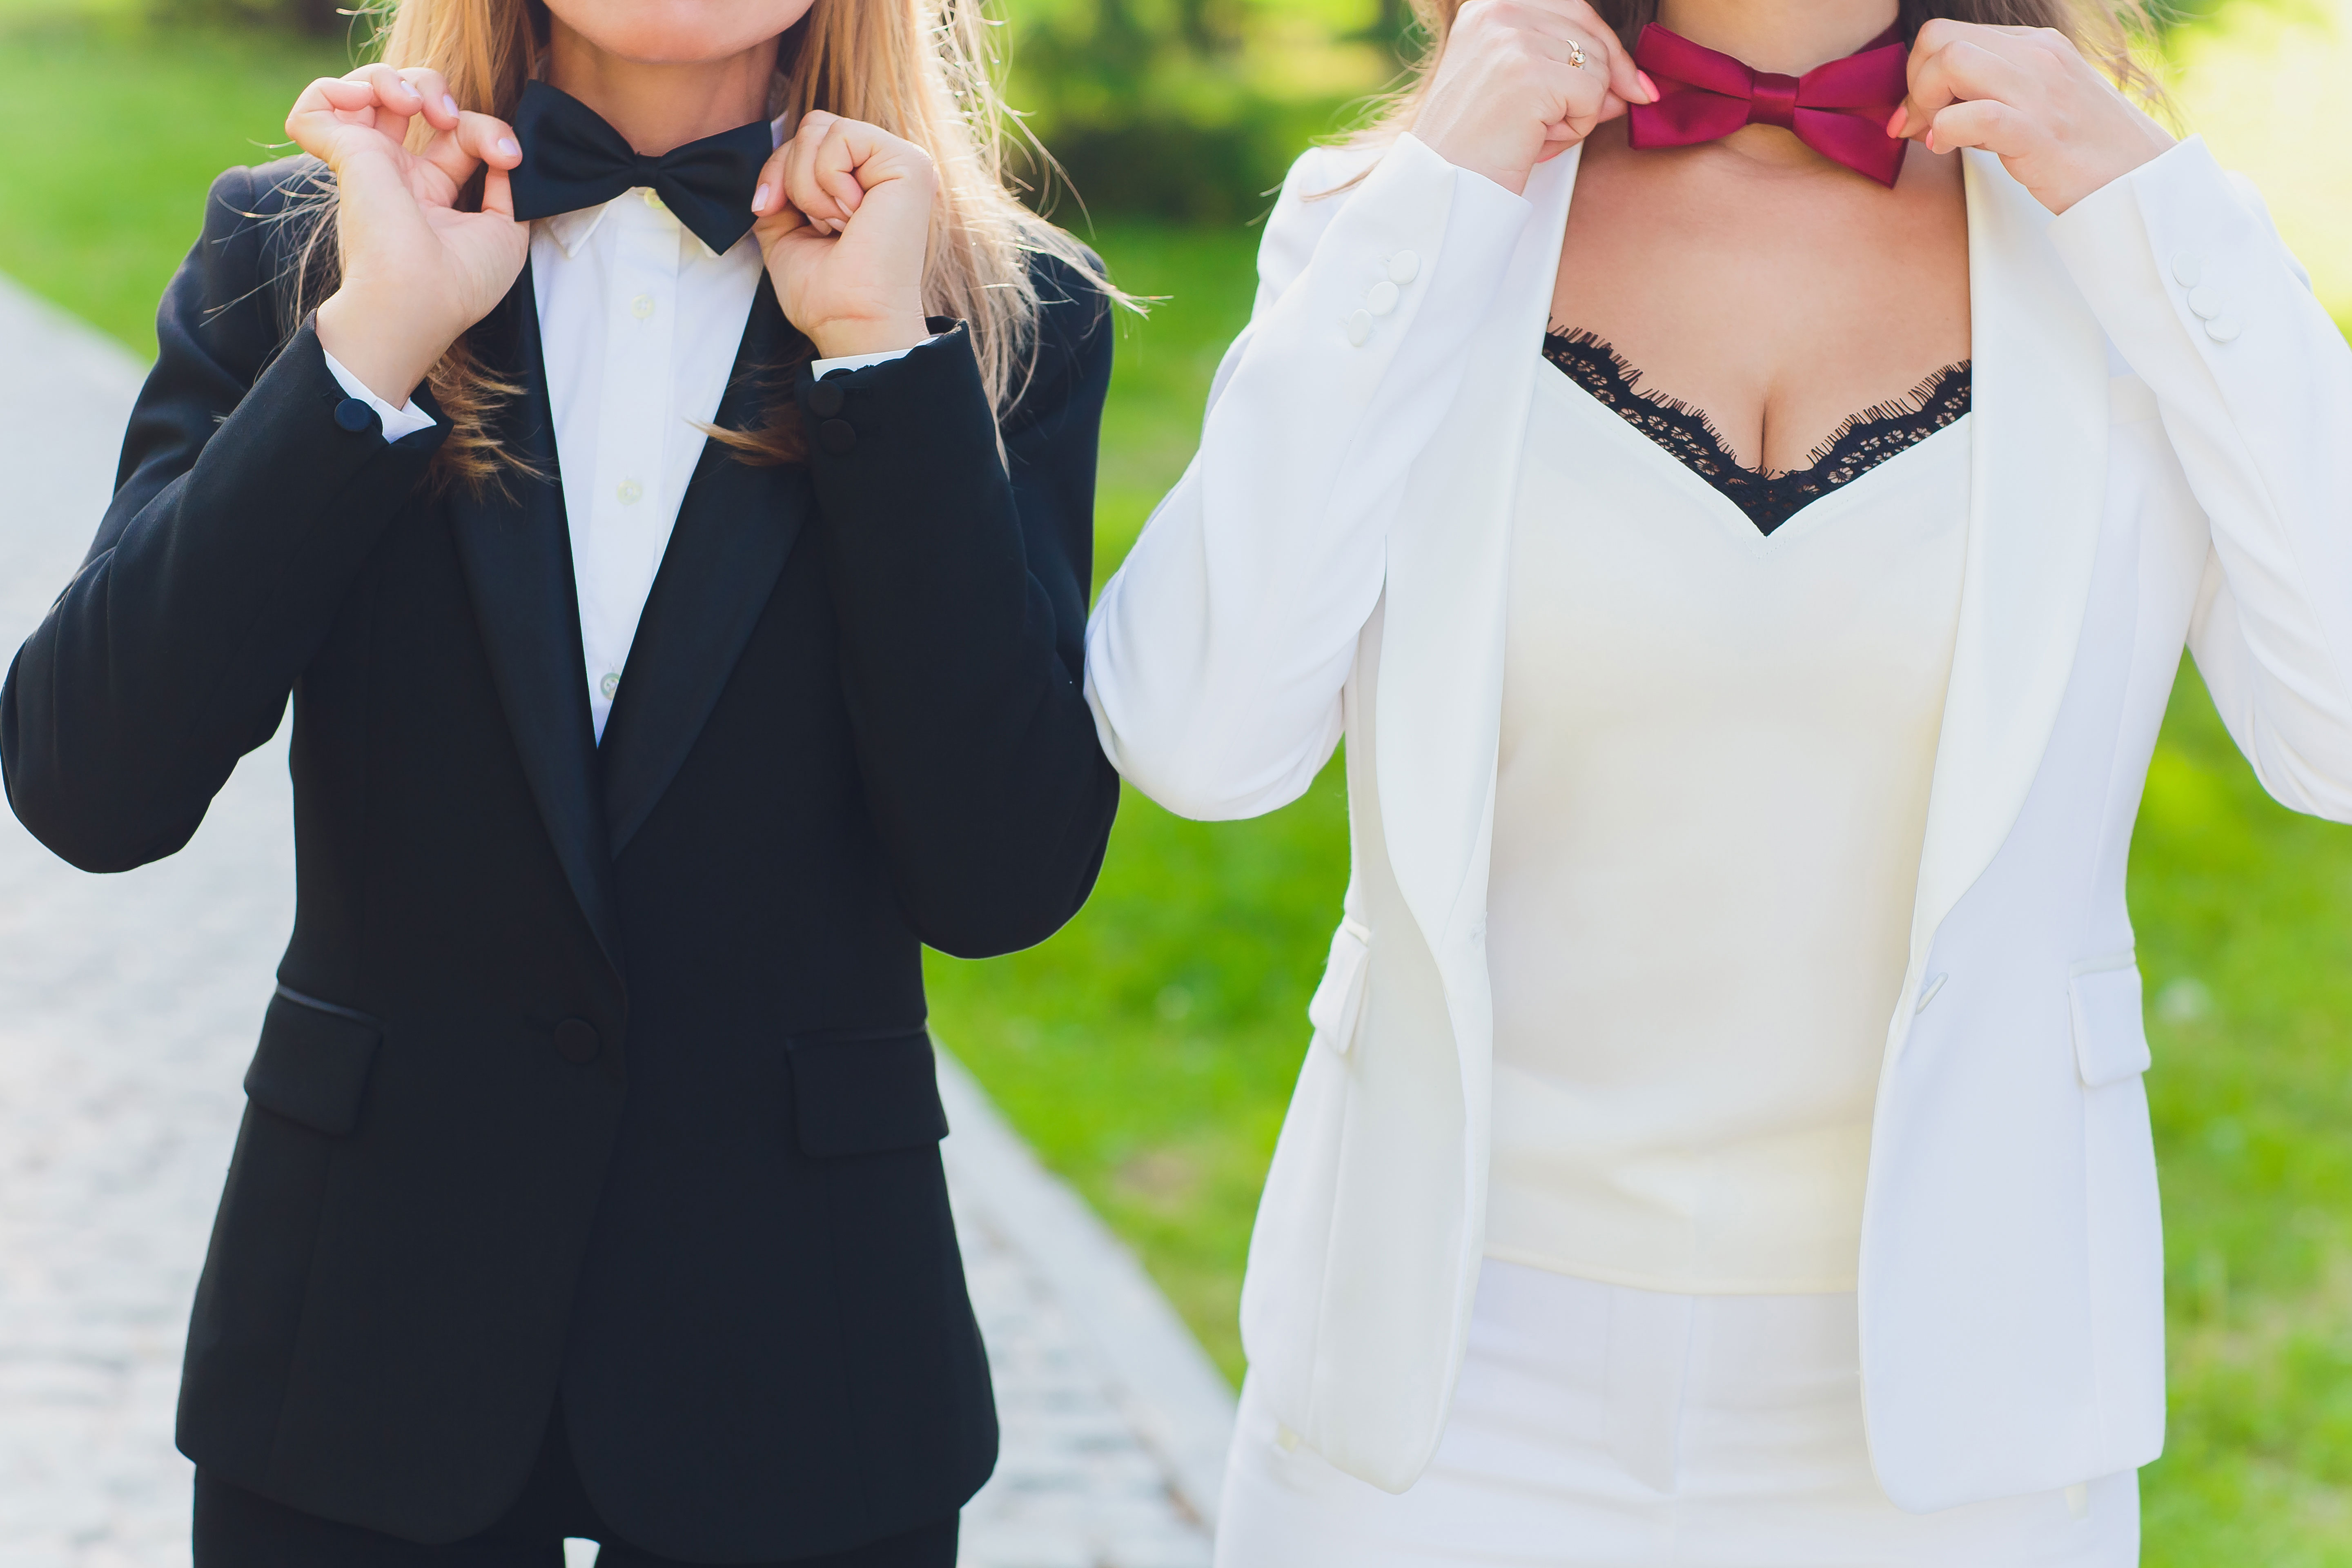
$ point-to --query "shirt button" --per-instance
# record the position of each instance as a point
(654, 200)
(1382, 298)
(1405, 267)
(610, 684)
(641, 307)
(1359, 328)
(2205, 300)
(2188, 268)
(630, 492)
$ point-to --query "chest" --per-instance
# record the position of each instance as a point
(1779, 302)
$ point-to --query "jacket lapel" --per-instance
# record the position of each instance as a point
(1441, 675)
(2037, 488)
(517, 556)
(735, 528)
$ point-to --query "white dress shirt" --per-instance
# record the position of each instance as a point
(639, 325)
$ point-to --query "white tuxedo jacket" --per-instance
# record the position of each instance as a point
(2161, 452)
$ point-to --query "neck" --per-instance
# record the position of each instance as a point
(1789, 36)
(658, 106)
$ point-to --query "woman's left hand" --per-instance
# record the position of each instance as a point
(844, 221)
(2027, 95)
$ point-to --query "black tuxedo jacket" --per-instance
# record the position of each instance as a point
(592, 1070)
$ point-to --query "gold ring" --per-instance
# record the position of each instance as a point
(1576, 53)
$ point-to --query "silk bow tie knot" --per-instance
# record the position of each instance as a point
(1839, 110)
(572, 158)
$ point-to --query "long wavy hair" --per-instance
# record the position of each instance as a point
(919, 69)
(2107, 38)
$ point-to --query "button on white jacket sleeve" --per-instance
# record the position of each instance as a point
(2254, 385)
(1215, 658)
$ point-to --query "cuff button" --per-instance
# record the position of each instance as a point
(1359, 328)
(836, 436)
(2205, 300)
(826, 400)
(2224, 329)
(2188, 268)
(1382, 298)
(1405, 267)
(354, 416)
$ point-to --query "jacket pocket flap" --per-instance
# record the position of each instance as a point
(1338, 1000)
(312, 1066)
(2110, 1034)
(861, 1092)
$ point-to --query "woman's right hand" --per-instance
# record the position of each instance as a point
(416, 271)
(1507, 94)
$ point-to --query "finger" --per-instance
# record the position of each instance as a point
(396, 98)
(1961, 70)
(768, 193)
(432, 90)
(1985, 123)
(1579, 91)
(1576, 21)
(331, 103)
(476, 139)
(805, 186)
(843, 150)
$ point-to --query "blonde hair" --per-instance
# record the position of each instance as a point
(918, 68)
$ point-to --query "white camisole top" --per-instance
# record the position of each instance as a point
(1715, 761)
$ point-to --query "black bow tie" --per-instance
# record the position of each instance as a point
(572, 158)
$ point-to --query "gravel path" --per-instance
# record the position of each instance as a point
(127, 1009)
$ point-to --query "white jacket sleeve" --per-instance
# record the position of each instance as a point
(1215, 657)
(2254, 385)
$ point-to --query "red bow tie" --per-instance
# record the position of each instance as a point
(1839, 110)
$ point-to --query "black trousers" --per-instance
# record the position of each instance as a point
(238, 1529)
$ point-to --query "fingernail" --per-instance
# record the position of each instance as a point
(758, 199)
(507, 146)
(1647, 85)
(414, 92)
(448, 104)
(1894, 126)
(1931, 139)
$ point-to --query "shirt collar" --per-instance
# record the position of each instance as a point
(570, 230)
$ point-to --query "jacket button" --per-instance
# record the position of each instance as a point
(836, 436)
(576, 1041)
(826, 399)
(354, 416)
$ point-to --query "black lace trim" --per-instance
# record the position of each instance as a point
(1769, 500)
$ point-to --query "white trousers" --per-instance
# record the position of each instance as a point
(1600, 1426)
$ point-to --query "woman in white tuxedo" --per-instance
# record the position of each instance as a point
(1741, 487)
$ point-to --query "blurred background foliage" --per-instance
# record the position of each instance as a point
(1148, 1050)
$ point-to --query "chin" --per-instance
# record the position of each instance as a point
(679, 32)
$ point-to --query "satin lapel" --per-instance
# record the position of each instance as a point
(1441, 678)
(735, 527)
(517, 554)
(2037, 488)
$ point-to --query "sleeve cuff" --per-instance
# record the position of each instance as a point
(397, 422)
(824, 367)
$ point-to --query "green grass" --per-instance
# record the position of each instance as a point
(1148, 1050)
(110, 131)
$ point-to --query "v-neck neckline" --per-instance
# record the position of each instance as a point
(1688, 438)
(1737, 526)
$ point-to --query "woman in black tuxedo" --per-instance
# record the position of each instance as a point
(589, 1182)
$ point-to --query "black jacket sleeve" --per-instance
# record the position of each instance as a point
(960, 580)
(243, 510)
